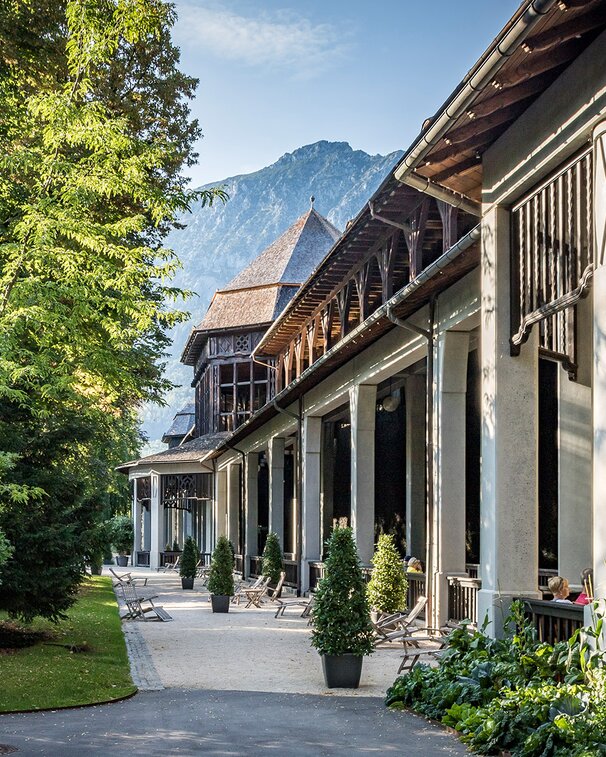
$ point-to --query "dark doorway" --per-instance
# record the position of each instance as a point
(473, 440)
(289, 497)
(390, 469)
(262, 502)
(548, 464)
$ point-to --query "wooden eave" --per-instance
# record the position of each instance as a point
(372, 329)
(198, 337)
(394, 201)
(558, 39)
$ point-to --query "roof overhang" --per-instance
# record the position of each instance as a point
(540, 40)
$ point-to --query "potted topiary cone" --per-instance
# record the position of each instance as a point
(387, 586)
(221, 576)
(189, 563)
(342, 632)
(272, 560)
(122, 536)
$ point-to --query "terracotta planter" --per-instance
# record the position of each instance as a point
(342, 671)
(219, 602)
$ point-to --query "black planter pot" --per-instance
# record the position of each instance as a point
(187, 583)
(122, 561)
(342, 671)
(219, 602)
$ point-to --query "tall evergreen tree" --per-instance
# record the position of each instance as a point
(94, 131)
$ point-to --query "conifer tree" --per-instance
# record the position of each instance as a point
(221, 577)
(272, 558)
(387, 586)
(341, 615)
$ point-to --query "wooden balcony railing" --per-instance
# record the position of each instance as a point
(239, 564)
(463, 598)
(554, 621)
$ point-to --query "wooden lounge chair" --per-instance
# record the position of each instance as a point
(254, 595)
(433, 646)
(274, 594)
(140, 607)
(305, 602)
(171, 565)
(127, 578)
(239, 592)
(395, 627)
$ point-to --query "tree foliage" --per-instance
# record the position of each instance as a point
(341, 615)
(189, 559)
(221, 576)
(94, 130)
(387, 585)
(272, 558)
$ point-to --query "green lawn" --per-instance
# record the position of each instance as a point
(49, 676)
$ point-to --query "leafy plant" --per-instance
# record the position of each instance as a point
(221, 577)
(189, 559)
(341, 622)
(272, 558)
(388, 584)
(516, 693)
(122, 533)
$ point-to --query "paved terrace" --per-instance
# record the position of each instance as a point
(244, 683)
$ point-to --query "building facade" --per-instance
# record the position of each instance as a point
(440, 374)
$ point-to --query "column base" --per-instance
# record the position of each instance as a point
(495, 605)
(154, 560)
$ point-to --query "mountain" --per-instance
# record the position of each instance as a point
(218, 242)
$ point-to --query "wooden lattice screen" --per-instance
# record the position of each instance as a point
(552, 259)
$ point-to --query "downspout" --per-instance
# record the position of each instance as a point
(242, 497)
(429, 335)
(299, 491)
(476, 83)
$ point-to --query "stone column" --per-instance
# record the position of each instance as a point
(233, 504)
(157, 525)
(449, 469)
(363, 401)
(311, 547)
(251, 499)
(276, 486)
(599, 364)
(136, 510)
(574, 478)
(220, 514)
(509, 494)
(414, 392)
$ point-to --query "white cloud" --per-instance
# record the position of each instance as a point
(285, 40)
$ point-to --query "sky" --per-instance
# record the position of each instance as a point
(279, 74)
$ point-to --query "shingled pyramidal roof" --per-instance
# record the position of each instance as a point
(259, 293)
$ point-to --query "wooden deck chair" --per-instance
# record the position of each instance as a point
(416, 647)
(127, 578)
(140, 607)
(254, 596)
(239, 592)
(274, 594)
(305, 602)
(171, 565)
(398, 625)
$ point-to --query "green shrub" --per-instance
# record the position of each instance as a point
(5, 551)
(341, 621)
(272, 558)
(516, 693)
(221, 577)
(122, 533)
(189, 559)
(388, 584)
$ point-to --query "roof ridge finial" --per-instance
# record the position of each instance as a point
(312, 199)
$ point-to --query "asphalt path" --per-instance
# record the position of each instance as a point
(192, 722)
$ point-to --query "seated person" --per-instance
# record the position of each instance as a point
(560, 589)
(586, 596)
(414, 565)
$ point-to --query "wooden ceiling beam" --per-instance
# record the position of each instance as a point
(570, 28)
(480, 125)
(478, 142)
(538, 63)
(457, 168)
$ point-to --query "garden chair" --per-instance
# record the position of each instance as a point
(126, 578)
(135, 605)
(305, 603)
(254, 595)
(239, 592)
(433, 646)
(172, 565)
(395, 627)
(274, 594)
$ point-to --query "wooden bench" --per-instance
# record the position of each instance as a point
(135, 605)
